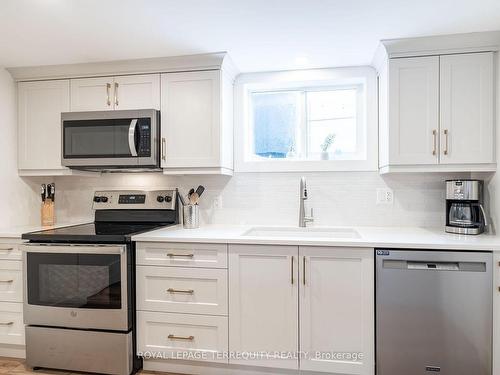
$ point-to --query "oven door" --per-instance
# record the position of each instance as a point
(120, 139)
(76, 286)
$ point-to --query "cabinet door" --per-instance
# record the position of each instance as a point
(137, 92)
(92, 94)
(337, 310)
(414, 110)
(39, 109)
(466, 99)
(496, 315)
(263, 303)
(191, 119)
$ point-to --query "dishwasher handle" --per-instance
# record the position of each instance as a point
(418, 265)
(433, 266)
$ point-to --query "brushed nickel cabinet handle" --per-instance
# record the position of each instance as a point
(445, 131)
(116, 93)
(6, 248)
(172, 255)
(163, 149)
(108, 97)
(183, 291)
(292, 270)
(6, 281)
(188, 338)
(304, 269)
(6, 323)
(434, 136)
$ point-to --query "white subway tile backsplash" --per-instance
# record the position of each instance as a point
(338, 198)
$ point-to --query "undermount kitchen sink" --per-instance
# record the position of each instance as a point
(310, 232)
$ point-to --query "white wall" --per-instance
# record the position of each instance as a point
(338, 198)
(18, 203)
(493, 181)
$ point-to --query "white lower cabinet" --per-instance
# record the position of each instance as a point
(182, 302)
(296, 309)
(11, 299)
(324, 295)
(182, 336)
(11, 281)
(496, 315)
(11, 323)
(263, 309)
(183, 290)
(337, 310)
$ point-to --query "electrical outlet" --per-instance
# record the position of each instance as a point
(385, 196)
(217, 202)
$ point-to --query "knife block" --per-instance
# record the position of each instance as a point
(48, 213)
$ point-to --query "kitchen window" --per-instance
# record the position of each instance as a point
(326, 122)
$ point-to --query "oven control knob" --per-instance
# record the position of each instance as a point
(104, 199)
(97, 199)
(168, 198)
(160, 199)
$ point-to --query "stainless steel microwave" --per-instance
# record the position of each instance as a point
(111, 140)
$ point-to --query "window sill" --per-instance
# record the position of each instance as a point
(307, 166)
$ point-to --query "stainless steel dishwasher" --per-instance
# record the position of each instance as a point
(433, 312)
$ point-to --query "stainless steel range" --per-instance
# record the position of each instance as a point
(79, 282)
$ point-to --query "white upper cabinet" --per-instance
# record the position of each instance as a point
(39, 117)
(196, 122)
(194, 94)
(414, 110)
(92, 94)
(263, 302)
(111, 93)
(466, 100)
(436, 113)
(137, 92)
(337, 309)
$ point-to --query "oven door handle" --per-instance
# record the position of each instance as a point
(71, 249)
(131, 137)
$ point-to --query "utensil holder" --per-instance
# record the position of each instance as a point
(191, 216)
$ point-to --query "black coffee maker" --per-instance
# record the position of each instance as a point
(464, 207)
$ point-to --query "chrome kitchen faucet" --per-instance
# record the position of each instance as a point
(303, 219)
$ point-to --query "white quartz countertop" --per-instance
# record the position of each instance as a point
(17, 231)
(392, 237)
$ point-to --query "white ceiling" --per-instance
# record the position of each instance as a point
(258, 34)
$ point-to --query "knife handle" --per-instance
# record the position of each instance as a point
(49, 191)
(43, 192)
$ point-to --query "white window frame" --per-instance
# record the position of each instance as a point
(246, 84)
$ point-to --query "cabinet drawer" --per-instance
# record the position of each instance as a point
(181, 336)
(182, 290)
(11, 323)
(11, 281)
(182, 254)
(10, 251)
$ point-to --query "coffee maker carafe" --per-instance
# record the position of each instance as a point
(464, 207)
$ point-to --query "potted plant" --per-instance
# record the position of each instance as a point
(330, 138)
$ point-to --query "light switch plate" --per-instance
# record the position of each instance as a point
(385, 196)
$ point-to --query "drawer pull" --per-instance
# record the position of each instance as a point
(6, 323)
(6, 248)
(6, 281)
(188, 338)
(184, 291)
(172, 255)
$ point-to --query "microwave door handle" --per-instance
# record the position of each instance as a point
(131, 137)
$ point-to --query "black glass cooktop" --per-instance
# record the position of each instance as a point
(93, 232)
